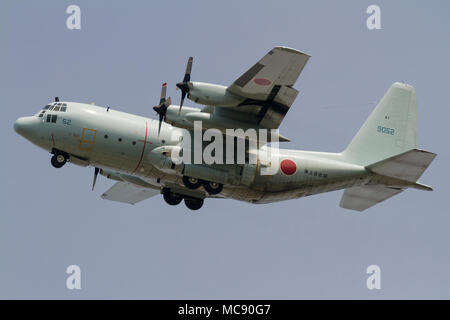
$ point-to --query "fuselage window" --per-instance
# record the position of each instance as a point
(54, 116)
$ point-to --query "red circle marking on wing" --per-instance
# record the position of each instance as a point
(262, 81)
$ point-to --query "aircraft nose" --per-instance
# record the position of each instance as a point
(23, 126)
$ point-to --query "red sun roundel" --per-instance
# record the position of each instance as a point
(288, 167)
(262, 81)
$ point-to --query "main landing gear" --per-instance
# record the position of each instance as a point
(174, 199)
(59, 158)
(210, 186)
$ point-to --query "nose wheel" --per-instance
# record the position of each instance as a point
(59, 159)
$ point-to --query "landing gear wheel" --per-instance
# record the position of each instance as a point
(193, 204)
(171, 198)
(58, 160)
(191, 183)
(213, 187)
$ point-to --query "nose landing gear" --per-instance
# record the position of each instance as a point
(59, 158)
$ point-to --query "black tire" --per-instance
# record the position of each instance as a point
(213, 187)
(171, 198)
(56, 162)
(191, 183)
(193, 204)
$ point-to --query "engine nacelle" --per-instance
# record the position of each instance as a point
(162, 159)
(212, 95)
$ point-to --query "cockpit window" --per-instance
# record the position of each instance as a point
(51, 107)
(41, 114)
(52, 118)
(64, 107)
(56, 108)
(46, 107)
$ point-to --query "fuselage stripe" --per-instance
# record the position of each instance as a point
(143, 148)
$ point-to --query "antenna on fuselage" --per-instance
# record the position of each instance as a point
(96, 171)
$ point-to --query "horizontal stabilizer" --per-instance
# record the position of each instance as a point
(362, 197)
(408, 166)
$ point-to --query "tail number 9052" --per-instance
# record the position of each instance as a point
(385, 130)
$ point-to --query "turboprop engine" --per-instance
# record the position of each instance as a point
(205, 93)
(212, 95)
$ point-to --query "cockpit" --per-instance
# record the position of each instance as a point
(51, 109)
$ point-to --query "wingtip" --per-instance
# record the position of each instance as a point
(292, 50)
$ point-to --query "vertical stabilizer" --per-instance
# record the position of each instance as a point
(391, 129)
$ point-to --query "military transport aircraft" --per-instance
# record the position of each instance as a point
(381, 161)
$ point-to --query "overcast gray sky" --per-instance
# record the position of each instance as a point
(306, 248)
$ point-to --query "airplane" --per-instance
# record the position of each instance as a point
(381, 161)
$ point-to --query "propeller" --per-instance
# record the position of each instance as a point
(161, 109)
(184, 86)
(96, 171)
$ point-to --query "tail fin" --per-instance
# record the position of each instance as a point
(391, 129)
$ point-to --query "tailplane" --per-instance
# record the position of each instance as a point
(390, 177)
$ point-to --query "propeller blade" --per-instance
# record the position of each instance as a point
(187, 75)
(96, 171)
(183, 95)
(161, 118)
(183, 86)
(168, 102)
(163, 93)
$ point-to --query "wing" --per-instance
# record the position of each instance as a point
(363, 197)
(129, 193)
(267, 87)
